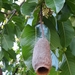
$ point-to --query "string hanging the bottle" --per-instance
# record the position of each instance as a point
(41, 23)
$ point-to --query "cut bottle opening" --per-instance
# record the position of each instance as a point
(43, 70)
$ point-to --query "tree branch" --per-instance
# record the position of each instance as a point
(13, 12)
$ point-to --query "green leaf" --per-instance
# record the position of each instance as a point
(72, 19)
(54, 39)
(17, 31)
(31, 1)
(6, 65)
(72, 46)
(0, 4)
(6, 6)
(27, 42)
(7, 1)
(1, 55)
(36, 17)
(2, 17)
(27, 8)
(71, 4)
(12, 54)
(55, 5)
(15, 6)
(27, 35)
(68, 66)
(15, 68)
(6, 56)
(30, 72)
(66, 32)
(53, 71)
(9, 30)
(64, 14)
(7, 43)
(19, 21)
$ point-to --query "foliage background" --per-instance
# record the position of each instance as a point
(59, 29)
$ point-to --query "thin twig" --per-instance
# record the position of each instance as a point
(13, 12)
